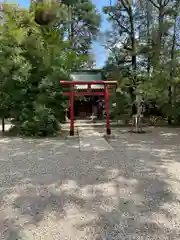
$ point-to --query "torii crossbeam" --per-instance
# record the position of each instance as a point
(89, 92)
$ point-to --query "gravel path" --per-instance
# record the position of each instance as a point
(51, 190)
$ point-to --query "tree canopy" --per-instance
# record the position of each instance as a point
(34, 58)
(143, 42)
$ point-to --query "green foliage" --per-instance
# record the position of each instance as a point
(42, 122)
(79, 19)
(15, 71)
(85, 22)
(33, 61)
(122, 109)
(48, 12)
(143, 41)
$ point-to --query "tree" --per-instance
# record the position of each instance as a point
(146, 33)
(173, 60)
(123, 15)
(80, 17)
(34, 60)
(85, 25)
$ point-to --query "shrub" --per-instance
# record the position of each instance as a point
(43, 123)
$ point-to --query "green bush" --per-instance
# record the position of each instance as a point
(43, 123)
(176, 112)
(123, 107)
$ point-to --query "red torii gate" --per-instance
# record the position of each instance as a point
(89, 92)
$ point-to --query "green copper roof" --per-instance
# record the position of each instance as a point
(87, 75)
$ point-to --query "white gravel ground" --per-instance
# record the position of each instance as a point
(50, 190)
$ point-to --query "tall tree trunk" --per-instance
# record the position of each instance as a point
(133, 59)
(160, 31)
(170, 104)
(157, 42)
(148, 37)
(3, 125)
(172, 66)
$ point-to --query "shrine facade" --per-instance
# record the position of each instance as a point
(87, 91)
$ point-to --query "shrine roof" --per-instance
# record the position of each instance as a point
(88, 75)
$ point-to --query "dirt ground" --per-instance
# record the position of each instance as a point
(49, 189)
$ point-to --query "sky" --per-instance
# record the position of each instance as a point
(99, 52)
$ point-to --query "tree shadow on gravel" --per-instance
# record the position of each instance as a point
(121, 194)
(9, 229)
